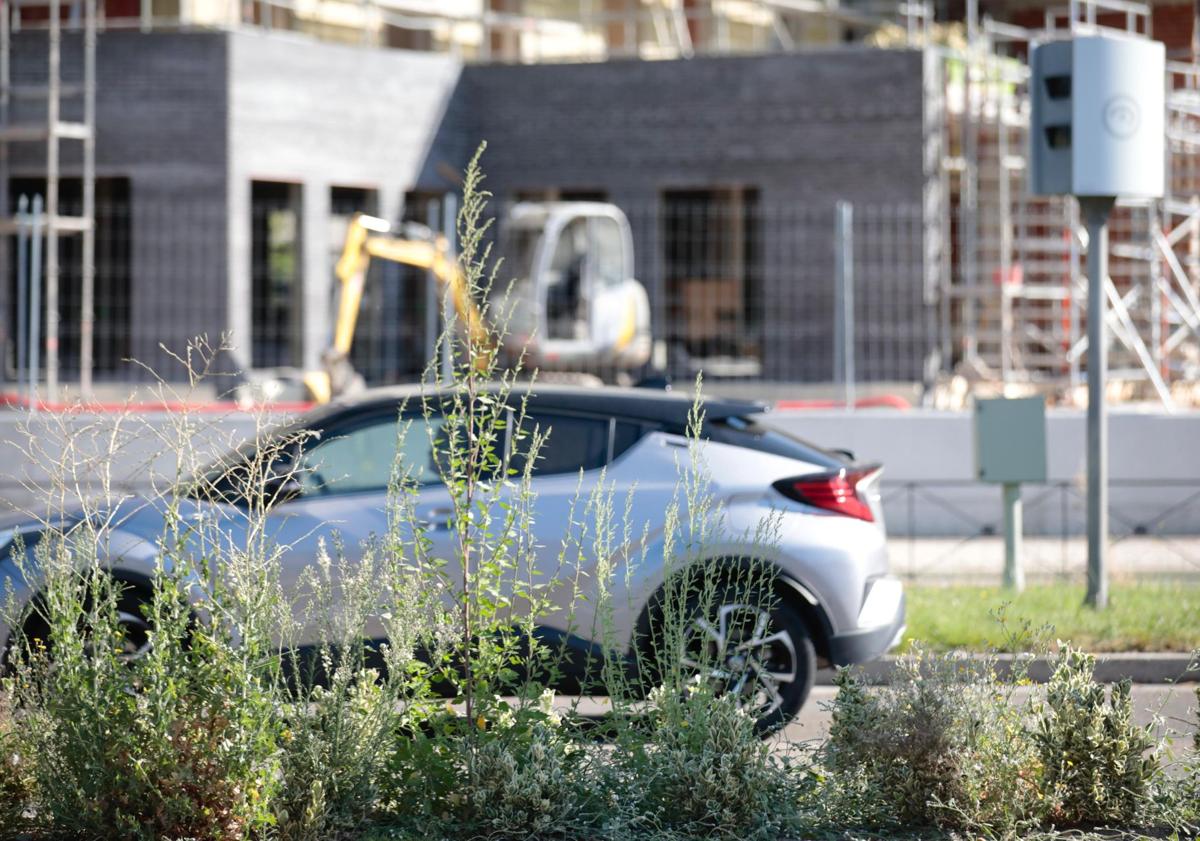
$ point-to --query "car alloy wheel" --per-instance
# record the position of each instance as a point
(741, 651)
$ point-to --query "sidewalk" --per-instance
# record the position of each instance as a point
(980, 560)
(1139, 667)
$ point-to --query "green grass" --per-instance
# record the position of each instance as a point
(1141, 617)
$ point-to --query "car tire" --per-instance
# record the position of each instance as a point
(131, 616)
(759, 648)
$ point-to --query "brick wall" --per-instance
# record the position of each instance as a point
(160, 122)
(803, 129)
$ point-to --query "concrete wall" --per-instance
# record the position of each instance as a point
(803, 129)
(929, 478)
(928, 484)
(323, 115)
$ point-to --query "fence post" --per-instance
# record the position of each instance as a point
(35, 301)
(843, 320)
(23, 293)
(433, 297)
(450, 226)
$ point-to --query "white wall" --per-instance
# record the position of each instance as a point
(1154, 464)
(929, 486)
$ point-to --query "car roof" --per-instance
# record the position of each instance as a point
(651, 405)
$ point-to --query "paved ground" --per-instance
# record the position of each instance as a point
(1173, 704)
(981, 559)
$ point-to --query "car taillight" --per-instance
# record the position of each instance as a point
(837, 491)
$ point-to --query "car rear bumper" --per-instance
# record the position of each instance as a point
(867, 644)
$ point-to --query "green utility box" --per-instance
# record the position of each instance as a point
(1010, 440)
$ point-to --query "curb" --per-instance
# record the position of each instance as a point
(1110, 668)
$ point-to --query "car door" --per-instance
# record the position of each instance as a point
(340, 497)
(566, 471)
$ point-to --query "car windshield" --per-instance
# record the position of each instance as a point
(219, 479)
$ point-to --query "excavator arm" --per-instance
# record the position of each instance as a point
(369, 237)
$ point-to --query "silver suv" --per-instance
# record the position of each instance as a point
(834, 600)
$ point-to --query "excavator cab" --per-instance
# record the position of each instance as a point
(574, 304)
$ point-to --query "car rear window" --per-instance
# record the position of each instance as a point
(572, 443)
(625, 435)
(750, 433)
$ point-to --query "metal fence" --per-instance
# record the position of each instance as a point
(741, 289)
(951, 529)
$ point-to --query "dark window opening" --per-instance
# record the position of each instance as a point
(572, 443)
(112, 277)
(713, 274)
(581, 194)
(276, 275)
(405, 38)
(397, 328)
(541, 194)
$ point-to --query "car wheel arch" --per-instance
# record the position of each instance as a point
(140, 583)
(789, 588)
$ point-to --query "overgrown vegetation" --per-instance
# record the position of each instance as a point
(181, 707)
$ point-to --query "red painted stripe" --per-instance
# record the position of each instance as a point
(882, 401)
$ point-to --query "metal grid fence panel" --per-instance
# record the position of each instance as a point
(741, 289)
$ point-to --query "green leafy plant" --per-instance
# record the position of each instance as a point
(701, 771)
(943, 744)
(17, 794)
(1099, 767)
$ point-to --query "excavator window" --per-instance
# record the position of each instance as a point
(566, 288)
(608, 252)
(520, 253)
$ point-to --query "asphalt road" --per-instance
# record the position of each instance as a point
(1174, 705)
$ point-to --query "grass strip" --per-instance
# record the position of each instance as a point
(1149, 616)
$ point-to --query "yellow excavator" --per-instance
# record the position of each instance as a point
(573, 306)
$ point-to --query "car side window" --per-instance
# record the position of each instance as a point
(625, 435)
(572, 443)
(362, 458)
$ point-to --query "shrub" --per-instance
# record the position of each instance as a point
(524, 772)
(120, 753)
(17, 798)
(1099, 766)
(343, 714)
(701, 770)
(942, 745)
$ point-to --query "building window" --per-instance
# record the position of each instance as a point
(712, 270)
(344, 202)
(561, 194)
(111, 292)
(276, 277)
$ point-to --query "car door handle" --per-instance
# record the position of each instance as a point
(438, 519)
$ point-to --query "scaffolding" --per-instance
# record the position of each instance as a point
(32, 114)
(1014, 300)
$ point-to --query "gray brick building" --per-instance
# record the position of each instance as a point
(225, 161)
